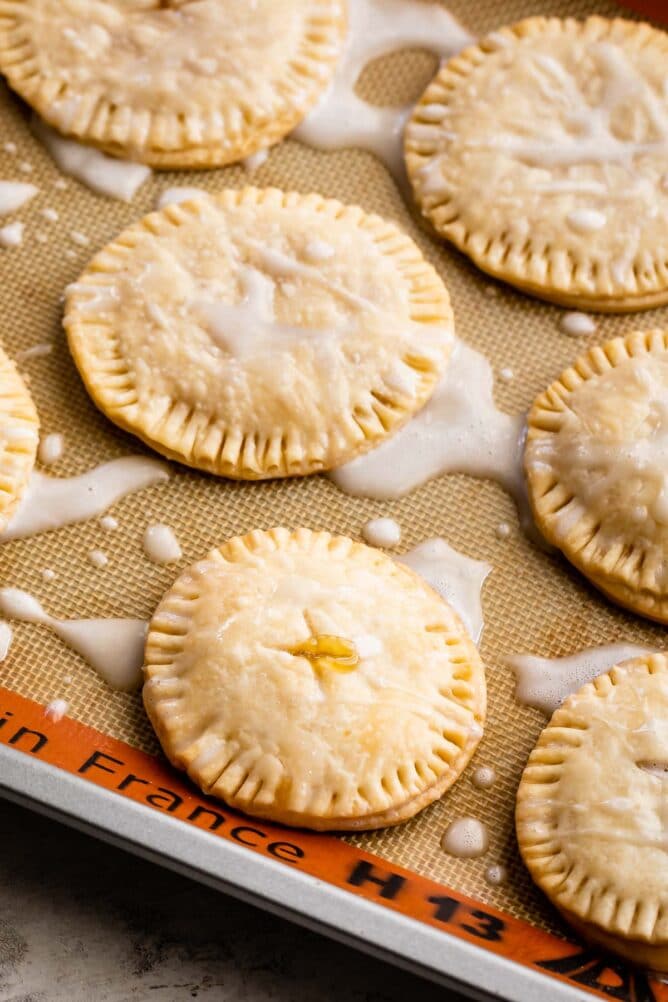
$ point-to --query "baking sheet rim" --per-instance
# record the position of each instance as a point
(293, 894)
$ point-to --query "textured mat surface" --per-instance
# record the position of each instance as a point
(533, 602)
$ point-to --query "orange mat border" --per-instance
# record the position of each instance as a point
(145, 779)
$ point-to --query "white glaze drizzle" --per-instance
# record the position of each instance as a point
(466, 838)
(577, 324)
(40, 350)
(249, 327)
(103, 174)
(11, 235)
(255, 160)
(56, 710)
(496, 874)
(586, 220)
(51, 502)
(460, 430)
(375, 28)
(98, 558)
(457, 578)
(318, 250)
(172, 196)
(383, 532)
(594, 141)
(484, 777)
(282, 266)
(51, 449)
(161, 545)
(6, 637)
(113, 647)
(544, 683)
(109, 523)
(14, 194)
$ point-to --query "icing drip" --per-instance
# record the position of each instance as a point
(161, 545)
(457, 578)
(383, 532)
(11, 235)
(620, 473)
(113, 647)
(577, 324)
(250, 327)
(103, 174)
(460, 430)
(586, 220)
(376, 28)
(544, 683)
(172, 196)
(281, 266)
(51, 449)
(51, 502)
(14, 194)
(318, 250)
(594, 141)
(484, 777)
(466, 838)
(56, 710)
(255, 160)
(496, 875)
(6, 637)
(98, 558)
(37, 351)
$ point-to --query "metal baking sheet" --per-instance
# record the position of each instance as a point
(394, 892)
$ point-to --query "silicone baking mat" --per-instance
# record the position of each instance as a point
(533, 602)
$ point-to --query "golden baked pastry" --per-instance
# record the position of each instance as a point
(542, 153)
(309, 679)
(19, 435)
(172, 83)
(596, 463)
(591, 810)
(259, 333)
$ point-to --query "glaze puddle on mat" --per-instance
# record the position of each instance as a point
(460, 430)
(377, 27)
(484, 777)
(457, 578)
(113, 647)
(103, 174)
(466, 838)
(382, 532)
(51, 502)
(14, 194)
(544, 683)
(161, 545)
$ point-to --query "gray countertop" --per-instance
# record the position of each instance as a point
(80, 920)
